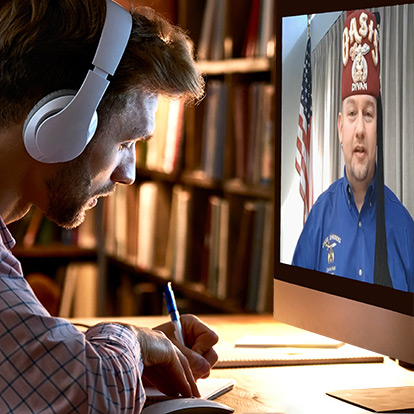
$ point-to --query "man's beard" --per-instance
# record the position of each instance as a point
(359, 171)
(69, 192)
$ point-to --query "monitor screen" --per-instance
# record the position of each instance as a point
(325, 259)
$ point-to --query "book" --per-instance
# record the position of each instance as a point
(256, 256)
(259, 139)
(238, 278)
(109, 213)
(214, 248)
(163, 151)
(174, 136)
(249, 49)
(266, 41)
(207, 27)
(206, 247)
(177, 244)
(86, 232)
(265, 291)
(132, 209)
(267, 130)
(259, 40)
(211, 45)
(33, 228)
(240, 128)
(162, 222)
(121, 221)
(219, 31)
(223, 249)
(156, 145)
(79, 292)
(252, 138)
(146, 227)
(214, 130)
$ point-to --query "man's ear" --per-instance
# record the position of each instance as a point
(340, 126)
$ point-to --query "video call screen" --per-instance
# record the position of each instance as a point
(337, 242)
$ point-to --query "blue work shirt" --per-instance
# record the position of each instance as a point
(339, 240)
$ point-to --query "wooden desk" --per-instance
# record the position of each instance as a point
(288, 389)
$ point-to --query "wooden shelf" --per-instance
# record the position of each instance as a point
(238, 65)
(236, 186)
(54, 251)
(191, 290)
(200, 179)
(158, 175)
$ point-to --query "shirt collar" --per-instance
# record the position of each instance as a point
(6, 236)
(370, 195)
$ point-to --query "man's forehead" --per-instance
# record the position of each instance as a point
(366, 100)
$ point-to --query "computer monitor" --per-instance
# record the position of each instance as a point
(371, 316)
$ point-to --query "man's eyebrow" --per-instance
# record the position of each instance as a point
(145, 138)
(350, 101)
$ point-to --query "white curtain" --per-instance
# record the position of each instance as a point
(397, 86)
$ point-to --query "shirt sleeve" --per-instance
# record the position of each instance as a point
(306, 253)
(114, 369)
(48, 366)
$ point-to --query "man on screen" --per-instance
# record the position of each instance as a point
(339, 236)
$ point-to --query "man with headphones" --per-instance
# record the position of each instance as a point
(79, 82)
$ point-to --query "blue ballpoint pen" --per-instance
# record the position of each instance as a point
(173, 311)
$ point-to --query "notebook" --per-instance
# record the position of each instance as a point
(306, 340)
(232, 356)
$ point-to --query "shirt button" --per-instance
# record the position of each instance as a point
(359, 223)
(360, 272)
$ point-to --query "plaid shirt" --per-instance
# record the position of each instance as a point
(48, 366)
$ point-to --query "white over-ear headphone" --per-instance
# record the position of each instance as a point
(60, 125)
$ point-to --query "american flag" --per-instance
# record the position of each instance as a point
(303, 141)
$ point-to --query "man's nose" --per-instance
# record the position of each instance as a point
(360, 126)
(124, 173)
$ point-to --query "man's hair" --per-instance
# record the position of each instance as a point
(47, 45)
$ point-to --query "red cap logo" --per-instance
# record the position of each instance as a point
(360, 55)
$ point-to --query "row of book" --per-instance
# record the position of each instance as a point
(237, 253)
(73, 292)
(79, 283)
(151, 226)
(253, 131)
(245, 149)
(219, 35)
(35, 229)
(236, 134)
(163, 152)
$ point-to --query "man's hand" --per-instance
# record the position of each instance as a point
(165, 367)
(199, 340)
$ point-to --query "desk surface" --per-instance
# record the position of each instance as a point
(286, 389)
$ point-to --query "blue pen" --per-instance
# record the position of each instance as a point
(173, 311)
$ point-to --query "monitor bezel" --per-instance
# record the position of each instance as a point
(367, 298)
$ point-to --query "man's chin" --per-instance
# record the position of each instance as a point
(360, 172)
(69, 223)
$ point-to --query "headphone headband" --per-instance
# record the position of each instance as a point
(61, 124)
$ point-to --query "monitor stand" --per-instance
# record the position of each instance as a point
(379, 400)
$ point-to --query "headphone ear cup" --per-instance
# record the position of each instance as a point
(45, 108)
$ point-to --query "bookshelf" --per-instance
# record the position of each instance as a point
(208, 220)
(201, 210)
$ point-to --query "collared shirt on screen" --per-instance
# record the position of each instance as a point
(339, 240)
